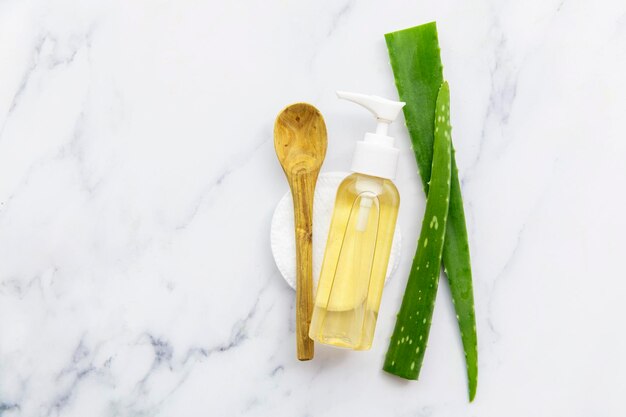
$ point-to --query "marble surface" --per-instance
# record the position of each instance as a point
(138, 179)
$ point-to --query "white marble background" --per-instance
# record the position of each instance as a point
(138, 179)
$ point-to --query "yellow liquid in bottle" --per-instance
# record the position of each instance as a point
(355, 262)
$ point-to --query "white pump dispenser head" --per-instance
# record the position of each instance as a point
(376, 155)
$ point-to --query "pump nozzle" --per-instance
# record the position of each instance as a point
(384, 110)
(376, 155)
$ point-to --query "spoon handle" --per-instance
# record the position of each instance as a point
(302, 187)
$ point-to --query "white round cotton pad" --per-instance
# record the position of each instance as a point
(282, 231)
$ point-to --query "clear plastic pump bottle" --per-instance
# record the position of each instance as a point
(360, 236)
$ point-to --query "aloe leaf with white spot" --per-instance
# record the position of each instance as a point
(416, 63)
(408, 342)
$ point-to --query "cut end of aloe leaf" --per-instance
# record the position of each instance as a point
(401, 372)
(425, 26)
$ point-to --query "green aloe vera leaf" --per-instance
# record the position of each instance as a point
(418, 73)
(410, 335)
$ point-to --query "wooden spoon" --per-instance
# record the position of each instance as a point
(300, 142)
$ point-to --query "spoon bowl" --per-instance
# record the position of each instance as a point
(300, 138)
